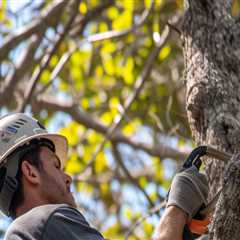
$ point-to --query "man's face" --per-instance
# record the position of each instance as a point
(55, 184)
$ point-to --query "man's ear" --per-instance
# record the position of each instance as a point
(30, 173)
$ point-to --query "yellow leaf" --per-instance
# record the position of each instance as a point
(85, 103)
(143, 182)
(113, 102)
(164, 53)
(143, 52)
(148, 42)
(109, 47)
(128, 213)
(147, 3)
(128, 129)
(76, 73)
(131, 127)
(2, 10)
(100, 162)
(128, 71)
(99, 71)
(123, 21)
(158, 168)
(106, 118)
(103, 27)
(112, 231)
(86, 188)
(83, 8)
(63, 86)
(153, 196)
(45, 76)
(148, 228)
(112, 13)
(94, 137)
(53, 61)
(109, 66)
(129, 5)
(97, 100)
(76, 58)
(72, 132)
(73, 165)
(104, 187)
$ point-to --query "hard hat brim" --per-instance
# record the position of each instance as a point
(60, 142)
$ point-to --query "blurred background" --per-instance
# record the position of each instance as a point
(108, 75)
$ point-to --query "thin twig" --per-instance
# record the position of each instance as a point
(119, 159)
(152, 211)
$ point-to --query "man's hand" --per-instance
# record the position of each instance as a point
(188, 192)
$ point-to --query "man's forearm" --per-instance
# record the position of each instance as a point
(171, 224)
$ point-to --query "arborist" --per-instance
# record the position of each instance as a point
(35, 191)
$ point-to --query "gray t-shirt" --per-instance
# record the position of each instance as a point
(52, 222)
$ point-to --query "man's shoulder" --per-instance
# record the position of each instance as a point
(33, 222)
(57, 221)
(69, 223)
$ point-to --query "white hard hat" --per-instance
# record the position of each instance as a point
(18, 129)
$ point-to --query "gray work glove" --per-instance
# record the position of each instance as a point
(189, 190)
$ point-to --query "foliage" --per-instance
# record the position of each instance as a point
(89, 93)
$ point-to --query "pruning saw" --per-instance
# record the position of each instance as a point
(198, 225)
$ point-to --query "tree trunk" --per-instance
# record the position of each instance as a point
(212, 73)
(227, 215)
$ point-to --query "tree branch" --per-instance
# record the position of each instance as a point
(107, 176)
(137, 89)
(22, 67)
(90, 15)
(45, 20)
(161, 151)
(154, 210)
(100, 36)
(37, 74)
(135, 182)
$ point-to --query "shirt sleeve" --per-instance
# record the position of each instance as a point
(68, 223)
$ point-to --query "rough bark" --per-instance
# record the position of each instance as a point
(212, 75)
(227, 216)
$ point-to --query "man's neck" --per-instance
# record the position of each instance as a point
(28, 205)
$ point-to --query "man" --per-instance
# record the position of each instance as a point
(35, 191)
